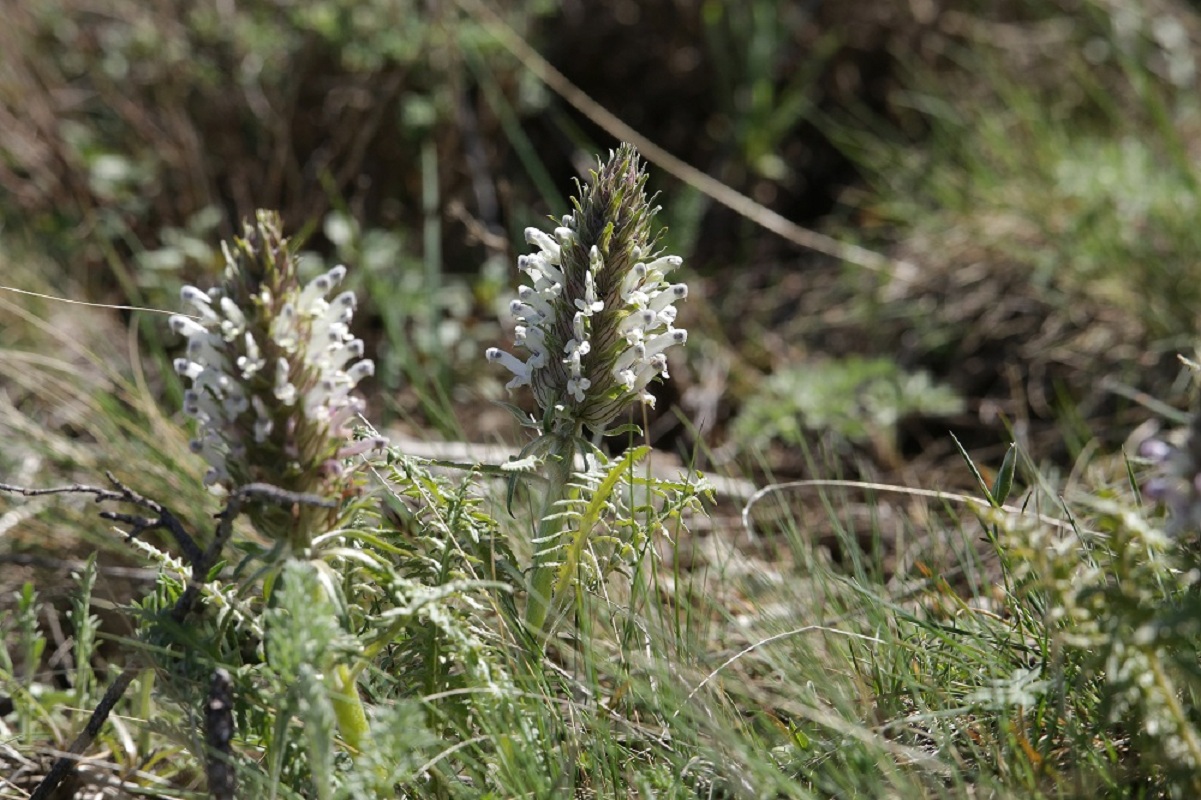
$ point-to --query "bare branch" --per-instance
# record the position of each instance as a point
(121, 493)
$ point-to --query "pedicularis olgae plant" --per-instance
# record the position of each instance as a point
(273, 364)
(596, 318)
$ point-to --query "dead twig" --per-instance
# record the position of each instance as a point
(218, 734)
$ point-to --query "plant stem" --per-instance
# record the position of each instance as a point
(348, 709)
(344, 691)
(559, 466)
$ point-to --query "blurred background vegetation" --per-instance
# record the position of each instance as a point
(1023, 170)
(1024, 167)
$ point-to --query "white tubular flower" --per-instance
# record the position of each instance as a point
(520, 369)
(544, 242)
(272, 365)
(187, 369)
(591, 304)
(252, 362)
(597, 313)
(663, 300)
(542, 272)
(185, 326)
(233, 323)
(539, 301)
(532, 339)
(635, 325)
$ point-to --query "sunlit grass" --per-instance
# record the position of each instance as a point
(853, 640)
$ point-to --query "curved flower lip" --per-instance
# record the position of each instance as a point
(638, 320)
(185, 325)
(596, 312)
(520, 369)
(545, 243)
(666, 340)
(665, 298)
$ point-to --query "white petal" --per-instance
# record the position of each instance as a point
(671, 294)
(188, 369)
(186, 326)
(632, 280)
(508, 361)
(637, 321)
(536, 301)
(663, 341)
(193, 296)
(633, 355)
(361, 369)
(545, 242)
(524, 312)
(664, 264)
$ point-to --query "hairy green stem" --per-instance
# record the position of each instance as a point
(344, 695)
(348, 709)
(542, 579)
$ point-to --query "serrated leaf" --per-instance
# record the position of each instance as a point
(592, 513)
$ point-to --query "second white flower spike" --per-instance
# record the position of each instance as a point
(597, 311)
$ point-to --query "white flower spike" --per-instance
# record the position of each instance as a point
(597, 313)
(272, 366)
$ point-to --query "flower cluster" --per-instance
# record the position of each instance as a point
(272, 366)
(598, 312)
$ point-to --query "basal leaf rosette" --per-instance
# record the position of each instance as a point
(273, 365)
(598, 313)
